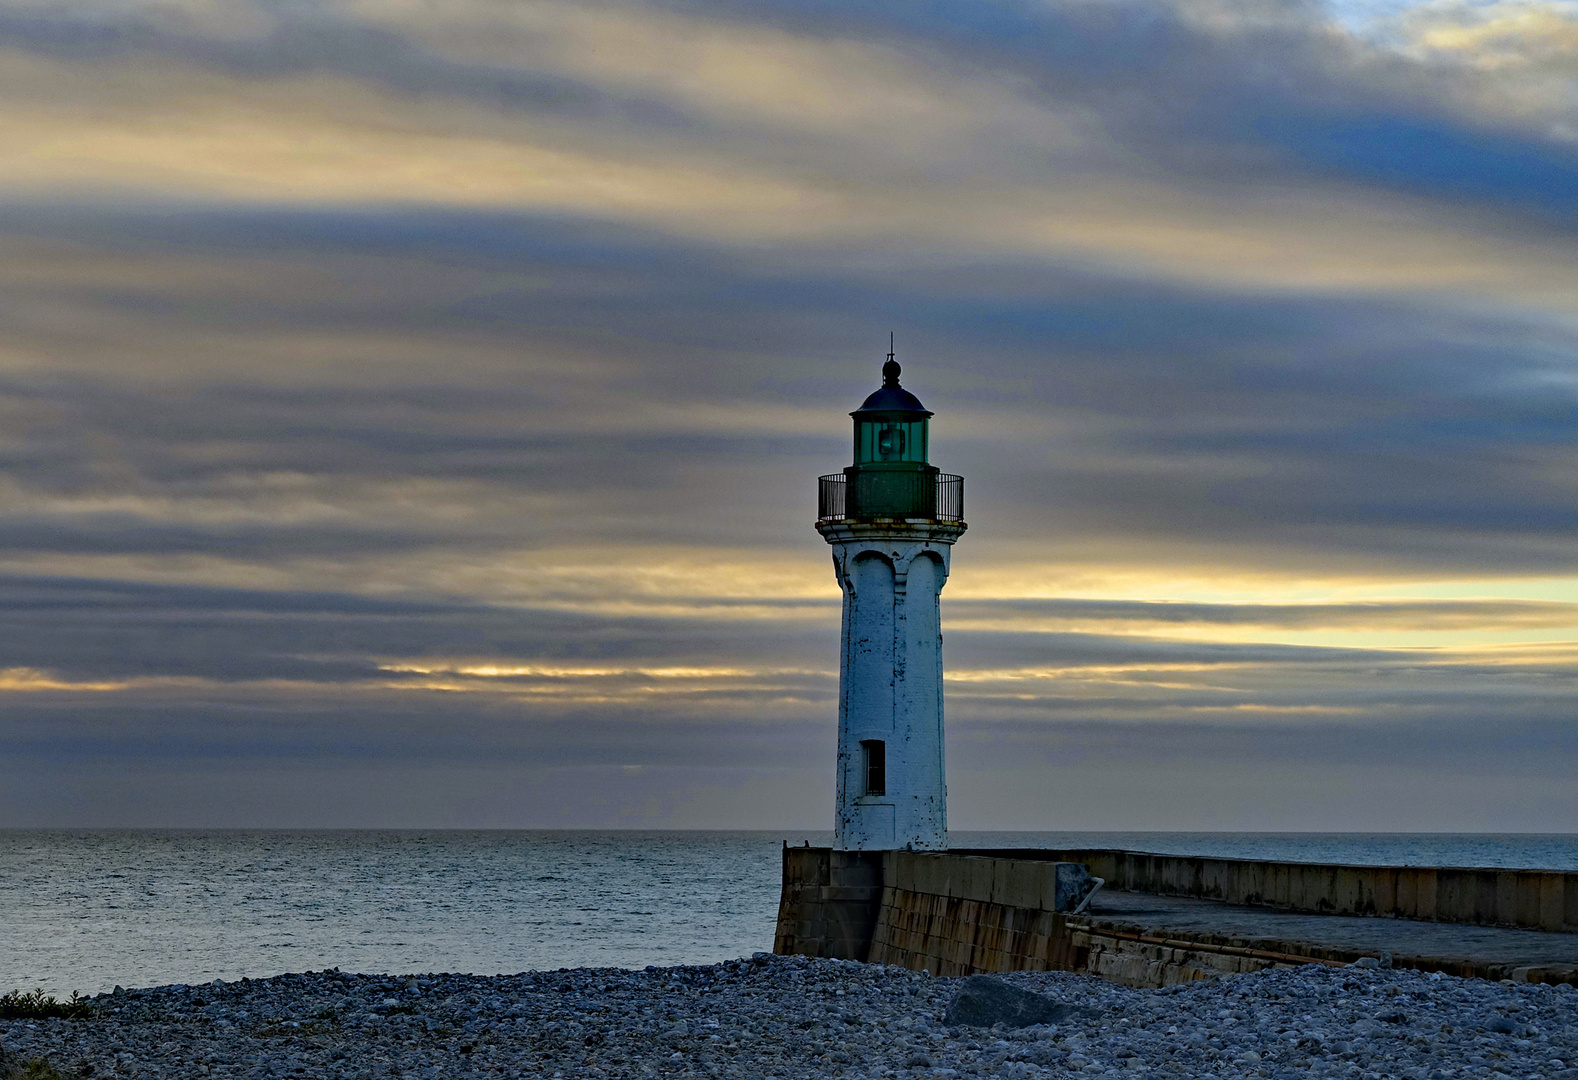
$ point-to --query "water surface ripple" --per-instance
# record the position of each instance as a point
(86, 909)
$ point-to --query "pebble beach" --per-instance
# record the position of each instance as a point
(792, 1017)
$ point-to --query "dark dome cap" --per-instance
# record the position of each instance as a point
(890, 396)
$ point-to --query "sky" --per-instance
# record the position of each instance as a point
(411, 410)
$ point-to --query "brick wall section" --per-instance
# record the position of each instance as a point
(1142, 964)
(954, 915)
(948, 936)
(1134, 957)
(828, 903)
(958, 915)
(951, 912)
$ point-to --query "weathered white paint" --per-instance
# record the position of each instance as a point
(890, 681)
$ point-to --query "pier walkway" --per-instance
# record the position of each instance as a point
(1186, 933)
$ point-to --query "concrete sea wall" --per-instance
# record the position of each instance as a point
(958, 913)
(955, 915)
(1527, 899)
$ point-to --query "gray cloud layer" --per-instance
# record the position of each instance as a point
(394, 391)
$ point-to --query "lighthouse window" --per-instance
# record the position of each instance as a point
(890, 443)
(890, 440)
(874, 764)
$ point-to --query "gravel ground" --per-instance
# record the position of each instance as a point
(774, 1016)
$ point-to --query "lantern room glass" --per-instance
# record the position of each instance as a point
(883, 440)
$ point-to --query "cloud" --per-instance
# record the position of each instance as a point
(1099, 148)
(388, 387)
(1523, 54)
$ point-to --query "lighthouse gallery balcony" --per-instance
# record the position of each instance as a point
(908, 495)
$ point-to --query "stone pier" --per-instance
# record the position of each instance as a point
(1162, 919)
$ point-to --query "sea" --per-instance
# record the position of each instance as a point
(86, 910)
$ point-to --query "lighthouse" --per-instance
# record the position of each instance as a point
(891, 519)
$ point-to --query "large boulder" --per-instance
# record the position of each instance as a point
(983, 1001)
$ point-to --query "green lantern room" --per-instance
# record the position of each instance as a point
(891, 427)
(891, 477)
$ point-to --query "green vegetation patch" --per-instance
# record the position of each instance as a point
(37, 1005)
(31, 1069)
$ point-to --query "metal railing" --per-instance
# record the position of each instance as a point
(830, 497)
(950, 497)
(933, 496)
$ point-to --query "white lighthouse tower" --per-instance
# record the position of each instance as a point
(891, 519)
